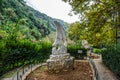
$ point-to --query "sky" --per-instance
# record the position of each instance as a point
(54, 8)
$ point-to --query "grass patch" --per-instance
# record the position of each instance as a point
(9, 74)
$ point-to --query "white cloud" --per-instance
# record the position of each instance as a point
(54, 8)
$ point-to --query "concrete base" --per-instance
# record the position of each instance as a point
(60, 62)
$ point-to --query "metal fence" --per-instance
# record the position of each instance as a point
(23, 70)
(95, 69)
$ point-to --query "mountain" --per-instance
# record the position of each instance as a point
(32, 24)
(50, 20)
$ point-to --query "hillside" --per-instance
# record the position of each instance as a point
(23, 32)
(30, 23)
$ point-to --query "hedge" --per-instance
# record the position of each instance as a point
(73, 50)
(111, 57)
(15, 53)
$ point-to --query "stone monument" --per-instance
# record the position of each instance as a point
(60, 60)
(87, 46)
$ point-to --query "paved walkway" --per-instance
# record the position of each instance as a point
(104, 72)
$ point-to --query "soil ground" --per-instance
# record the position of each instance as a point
(82, 71)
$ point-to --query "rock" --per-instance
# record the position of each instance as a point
(60, 62)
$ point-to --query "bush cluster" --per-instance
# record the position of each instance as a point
(74, 51)
(111, 57)
(15, 53)
(97, 51)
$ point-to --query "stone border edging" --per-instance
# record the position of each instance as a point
(95, 69)
(29, 71)
(94, 75)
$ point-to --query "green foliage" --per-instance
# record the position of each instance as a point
(100, 19)
(21, 31)
(73, 50)
(105, 34)
(16, 11)
(97, 51)
(52, 36)
(111, 57)
(16, 50)
(74, 32)
(16, 53)
(2, 50)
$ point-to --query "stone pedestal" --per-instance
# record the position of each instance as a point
(60, 62)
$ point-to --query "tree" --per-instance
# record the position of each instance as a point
(103, 36)
(96, 15)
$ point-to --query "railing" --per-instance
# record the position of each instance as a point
(18, 75)
(95, 69)
(21, 71)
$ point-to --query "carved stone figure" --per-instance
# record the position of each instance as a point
(60, 44)
(59, 59)
(87, 46)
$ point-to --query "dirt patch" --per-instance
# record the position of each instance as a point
(82, 71)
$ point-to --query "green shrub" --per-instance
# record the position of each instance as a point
(18, 52)
(73, 50)
(97, 51)
(2, 49)
(111, 57)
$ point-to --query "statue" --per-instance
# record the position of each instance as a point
(87, 46)
(60, 43)
(59, 59)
